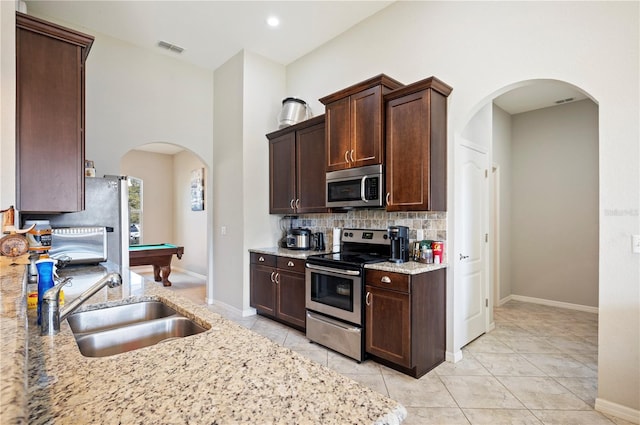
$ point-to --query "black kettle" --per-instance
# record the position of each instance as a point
(318, 241)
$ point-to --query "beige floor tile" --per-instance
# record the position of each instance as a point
(542, 393)
(435, 416)
(476, 392)
(488, 344)
(561, 365)
(588, 359)
(585, 388)
(619, 421)
(318, 356)
(556, 417)
(501, 417)
(298, 341)
(531, 344)
(375, 381)
(428, 391)
(573, 344)
(468, 366)
(505, 364)
(344, 364)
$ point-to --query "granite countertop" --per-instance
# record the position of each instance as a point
(410, 267)
(226, 375)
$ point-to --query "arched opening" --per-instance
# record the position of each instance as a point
(536, 235)
(171, 210)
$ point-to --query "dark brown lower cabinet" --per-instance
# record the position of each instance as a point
(406, 320)
(277, 288)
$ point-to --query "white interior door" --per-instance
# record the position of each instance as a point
(471, 228)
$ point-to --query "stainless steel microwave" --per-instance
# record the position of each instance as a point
(356, 187)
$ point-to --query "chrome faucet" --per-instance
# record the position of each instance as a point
(51, 314)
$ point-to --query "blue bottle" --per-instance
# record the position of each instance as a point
(45, 280)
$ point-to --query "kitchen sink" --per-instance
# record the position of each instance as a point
(121, 315)
(123, 328)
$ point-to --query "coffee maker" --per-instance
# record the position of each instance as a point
(399, 239)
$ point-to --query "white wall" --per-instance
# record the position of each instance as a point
(483, 49)
(189, 227)
(555, 204)
(501, 157)
(7, 104)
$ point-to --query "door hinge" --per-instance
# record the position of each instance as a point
(486, 302)
(486, 237)
(486, 174)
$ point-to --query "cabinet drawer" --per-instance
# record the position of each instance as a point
(264, 259)
(291, 264)
(387, 280)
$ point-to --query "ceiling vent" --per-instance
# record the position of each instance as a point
(170, 46)
(569, 99)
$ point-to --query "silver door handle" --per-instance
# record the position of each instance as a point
(387, 198)
(463, 257)
(290, 264)
(362, 191)
(332, 270)
(278, 278)
(351, 155)
(291, 204)
(272, 278)
(385, 279)
(346, 158)
(297, 203)
(367, 298)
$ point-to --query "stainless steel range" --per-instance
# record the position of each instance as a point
(334, 292)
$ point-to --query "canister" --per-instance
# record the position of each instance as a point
(437, 247)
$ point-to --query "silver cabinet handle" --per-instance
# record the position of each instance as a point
(462, 257)
(290, 264)
(297, 203)
(367, 299)
(387, 198)
(291, 204)
(272, 278)
(277, 278)
(261, 259)
(385, 279)
(351, 155)
(346, 158)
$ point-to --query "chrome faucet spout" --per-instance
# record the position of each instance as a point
(51, 314)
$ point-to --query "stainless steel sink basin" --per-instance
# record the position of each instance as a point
(118, 329)
(121, 315)
(133, 337)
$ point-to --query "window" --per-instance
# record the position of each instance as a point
(135, 210)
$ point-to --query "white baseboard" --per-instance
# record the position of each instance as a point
(551, 303)
(504, 300)
(618, 410)
(244, 313)
(190, 273)
(453, 357)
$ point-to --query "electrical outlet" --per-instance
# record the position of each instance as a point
(635, 242)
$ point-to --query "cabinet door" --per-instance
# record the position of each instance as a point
(338, 134)
(388, 325)
(263, 289)
(282, 175)
(366, 127)
(310, 170)
(408, 171)
(291, 305)
(50, 144)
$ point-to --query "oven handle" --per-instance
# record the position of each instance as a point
(363, 194)
(332, 270)
(333, 322)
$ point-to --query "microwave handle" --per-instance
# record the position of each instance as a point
(362, 191)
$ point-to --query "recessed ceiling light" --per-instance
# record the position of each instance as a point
(273, 21)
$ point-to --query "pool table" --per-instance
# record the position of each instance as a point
(157, 255)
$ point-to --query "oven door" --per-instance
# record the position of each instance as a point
(334, 292)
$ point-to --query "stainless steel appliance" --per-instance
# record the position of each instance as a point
(298, 238)
(79, 245)
(356, 187)
(334, 290)
(399, 237)
(106, 205)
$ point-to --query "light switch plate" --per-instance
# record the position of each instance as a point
(635, 242)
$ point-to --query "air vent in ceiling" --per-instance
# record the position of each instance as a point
(569, 99)
(170, 46)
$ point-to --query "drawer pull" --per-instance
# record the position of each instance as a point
(290, 264)
(261, 259)
(367, 299)
(385, 279)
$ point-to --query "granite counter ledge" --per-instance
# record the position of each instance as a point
(227, 374)
(284, 252)
(410, 267)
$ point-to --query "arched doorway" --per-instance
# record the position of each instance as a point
(167, 172)
(538, 142)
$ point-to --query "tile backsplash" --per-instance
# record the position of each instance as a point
(433, 223)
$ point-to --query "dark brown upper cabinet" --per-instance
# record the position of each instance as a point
(296, 168)
(50, 92)
(355, 123)
(416, 146)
